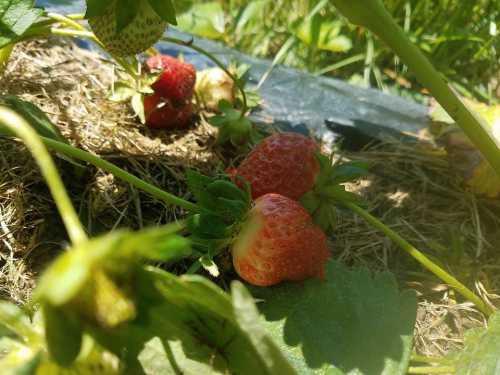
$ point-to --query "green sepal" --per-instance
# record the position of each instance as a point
(126, 11)
(207, 226)
(233, 126)
(340, 194)
(310, 201)
(349, 171)
(96, 8)
(228, 190)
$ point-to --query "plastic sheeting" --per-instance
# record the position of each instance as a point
(295, 99)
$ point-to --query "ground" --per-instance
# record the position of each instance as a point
(411, 188)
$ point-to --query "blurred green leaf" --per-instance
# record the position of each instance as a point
(35, 116)
(63, 334)
(352, 321)
(323, 34)
(16, 17)
(250, 321)
(204, 19)
(481, 353)
(252, 12)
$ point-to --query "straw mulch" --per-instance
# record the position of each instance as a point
(411, 188)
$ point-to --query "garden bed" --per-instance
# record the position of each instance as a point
(411, 187)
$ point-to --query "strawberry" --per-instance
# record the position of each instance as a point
(284, 163)
(145, 28)
(176, 81)
(161, 114)
(279, 242)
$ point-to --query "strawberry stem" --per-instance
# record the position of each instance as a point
(120, 173)
(431, 370)
(373, 15)
(20, 127)
(421, 258)
(235, 79)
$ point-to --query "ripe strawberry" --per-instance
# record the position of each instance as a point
(284, 163)
(177, 80)
(145, 29)
(279, 242)
(161, 114)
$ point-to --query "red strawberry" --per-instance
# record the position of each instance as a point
(279, 242)
(284, 163)
(177, 80)
(161, 114)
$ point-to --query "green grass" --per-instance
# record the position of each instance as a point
(458, 36)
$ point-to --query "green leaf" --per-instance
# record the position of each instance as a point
(349, 171)
(165, 9)
(251, 13)
(5, 53)
(197, 185)
(63, 334)
(354, 322)
(197, 324)
(14, 321)
(250, 321)
(39, 121)
(65, 278)
(481, 353)
(121, 92)
(35, 116)
(204, 19)
(16, 18)
(323, 34)
(16, 362)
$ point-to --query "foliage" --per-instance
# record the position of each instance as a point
(480, 355)
(16, 17)
(351, 322)
(460, 38)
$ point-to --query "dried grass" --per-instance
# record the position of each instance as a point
(412, 189)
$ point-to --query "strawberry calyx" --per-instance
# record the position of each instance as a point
(224, 208)
(233, 125)
(329, 190)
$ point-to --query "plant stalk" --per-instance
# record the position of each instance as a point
(373, 15)
(421, 258)
(120, 173)
(431, 370)
(18, 125)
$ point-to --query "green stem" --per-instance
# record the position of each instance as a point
(429, 360)
(120, 173)
(431, 370)
(18, 125)
(236, 81)
(65, 20)
(373, 15)
(421, 258)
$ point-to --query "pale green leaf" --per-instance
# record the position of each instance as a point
(204, 19)
(481, 354)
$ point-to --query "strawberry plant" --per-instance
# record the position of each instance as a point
(106, 303)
